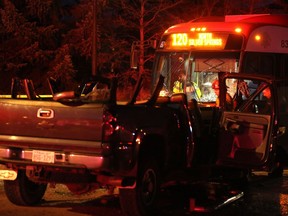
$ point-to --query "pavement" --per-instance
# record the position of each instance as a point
(197, 199)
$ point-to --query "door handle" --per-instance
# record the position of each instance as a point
(45, 113)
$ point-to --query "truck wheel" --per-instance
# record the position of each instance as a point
(277, 171)
(280, 160)
(141, 200)
(24, 192)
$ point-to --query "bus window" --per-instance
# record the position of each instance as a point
(193, 75)
(205, 70)
(263, 63)
(173, 66)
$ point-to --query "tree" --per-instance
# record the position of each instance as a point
(142, 16)
(80, 38)
(25, 43)
(139, 23)
(38, 37)
(63, 70)
(17, 40)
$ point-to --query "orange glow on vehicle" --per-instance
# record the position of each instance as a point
(202, 29)
(238, 30)
(257, 37)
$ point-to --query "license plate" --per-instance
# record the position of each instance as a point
(43, 156)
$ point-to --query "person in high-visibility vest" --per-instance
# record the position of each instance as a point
(178, 86)
(193, 91)
(198, 90)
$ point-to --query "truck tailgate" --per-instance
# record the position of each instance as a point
(51, 119)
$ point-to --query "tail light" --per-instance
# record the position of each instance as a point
(108, 126)
(113, 133)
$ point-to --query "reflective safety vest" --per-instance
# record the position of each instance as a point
(198, 91)
(178, 87)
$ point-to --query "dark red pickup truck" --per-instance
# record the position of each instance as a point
(89, 139)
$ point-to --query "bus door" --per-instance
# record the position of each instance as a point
(246, 131)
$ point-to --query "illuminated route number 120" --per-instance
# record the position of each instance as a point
(180, 39)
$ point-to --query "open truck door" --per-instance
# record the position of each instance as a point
(246, 131)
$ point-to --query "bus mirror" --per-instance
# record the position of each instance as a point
(153, 43)
(134, 57)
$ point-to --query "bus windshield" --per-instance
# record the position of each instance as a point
(193, 73)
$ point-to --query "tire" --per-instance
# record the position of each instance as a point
(280, 159)
(141, 200)
(277, 171)
(24, 192)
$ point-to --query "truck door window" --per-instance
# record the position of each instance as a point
(252, 96)
(98, 92)
(265, 105)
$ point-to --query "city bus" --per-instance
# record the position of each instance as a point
(192, 54)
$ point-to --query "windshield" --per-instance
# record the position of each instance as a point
(193, 73)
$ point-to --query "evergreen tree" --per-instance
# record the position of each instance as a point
(26, 46)
(53, 38)
(63, 70)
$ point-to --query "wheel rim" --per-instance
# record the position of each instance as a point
(149, 186)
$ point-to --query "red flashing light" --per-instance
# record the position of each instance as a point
(107, 127)
(198, 29)
(238, 30)
(257, 37)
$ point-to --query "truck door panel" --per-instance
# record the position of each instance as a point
(244, 138)
(282, 135)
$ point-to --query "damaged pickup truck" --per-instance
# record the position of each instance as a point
(88, 139)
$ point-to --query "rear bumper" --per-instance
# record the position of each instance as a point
(61, 159)
(65, 162)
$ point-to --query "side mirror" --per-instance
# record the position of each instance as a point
(134, 56)
(64, 95)
(153, 43)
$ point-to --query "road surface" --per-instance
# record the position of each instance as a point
(264, 196)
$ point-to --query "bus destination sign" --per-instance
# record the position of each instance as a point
(195, 40)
